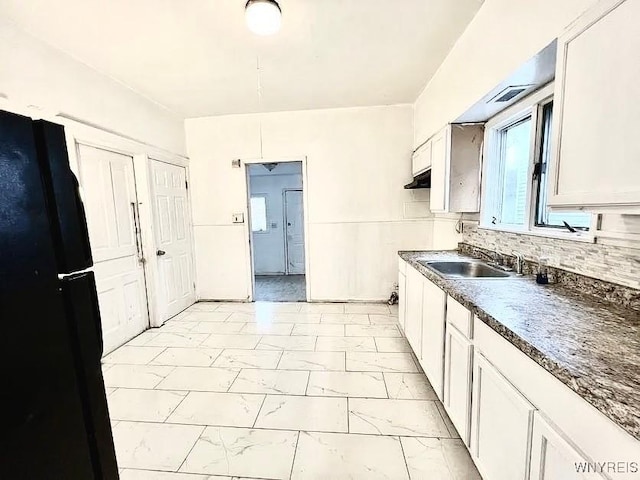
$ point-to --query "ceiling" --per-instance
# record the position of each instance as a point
(197, 58)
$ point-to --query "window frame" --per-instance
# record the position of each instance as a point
(492, 170)
(266, 213)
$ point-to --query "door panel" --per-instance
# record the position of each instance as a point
(553, 457)
(500, 425)
(294, 218)
(173, 238)
(109, 194)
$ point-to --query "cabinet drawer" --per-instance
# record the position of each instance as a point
(459, 317)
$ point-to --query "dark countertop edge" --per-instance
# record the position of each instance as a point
(551, 366)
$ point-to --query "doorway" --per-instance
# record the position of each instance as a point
(276, 211)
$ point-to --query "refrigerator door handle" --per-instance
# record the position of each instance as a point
(136, 231)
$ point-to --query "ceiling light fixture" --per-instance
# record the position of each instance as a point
(263, 17)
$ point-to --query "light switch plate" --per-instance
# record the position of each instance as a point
(238, 218)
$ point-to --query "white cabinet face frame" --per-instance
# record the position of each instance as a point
(610, 92)
(501, 424)
(413, 321)
(402, 299)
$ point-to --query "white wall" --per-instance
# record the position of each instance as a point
(268, 247)
(359, 215)
(33, 73)
(502, 36)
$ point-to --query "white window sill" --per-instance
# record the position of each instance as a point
(585, 237)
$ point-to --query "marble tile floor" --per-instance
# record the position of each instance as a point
(278, 391)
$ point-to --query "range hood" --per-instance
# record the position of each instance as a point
(422, 180)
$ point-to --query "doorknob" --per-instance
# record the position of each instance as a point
(160, 253)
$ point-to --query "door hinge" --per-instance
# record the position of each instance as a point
(186, 184)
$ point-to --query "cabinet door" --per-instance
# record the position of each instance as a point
(421, 159)
(596, 109)
(553, 457)
(413, 313)
(500, 425)
(433, 319)
(440, 171)
(457, 380)
(402, 299)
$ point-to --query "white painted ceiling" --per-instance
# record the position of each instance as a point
(197, 58)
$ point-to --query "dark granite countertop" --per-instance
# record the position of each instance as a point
(590, 345)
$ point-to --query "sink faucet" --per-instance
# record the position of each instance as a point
(519, 262)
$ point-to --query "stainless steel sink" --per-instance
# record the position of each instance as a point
(464, 269)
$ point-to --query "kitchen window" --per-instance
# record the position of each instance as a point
(258, 213)
(517, 153)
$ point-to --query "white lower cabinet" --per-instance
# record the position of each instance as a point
(553, 457)
(489, 389)
(500, 426)
(434, 304)
(458, 368)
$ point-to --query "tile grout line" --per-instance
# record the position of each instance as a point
(216, 357)
(176, 407)
(348, 422)
(191, 449)
(404, 457)
(306, 388)
(295, 451)
(276, 429)
(255, 420)
(279, 360)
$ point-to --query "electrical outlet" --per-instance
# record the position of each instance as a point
(238, 218)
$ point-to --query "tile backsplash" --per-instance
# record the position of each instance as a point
(611, 263)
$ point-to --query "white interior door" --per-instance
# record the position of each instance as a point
(173, 239)
(294, 225)
(109, 194)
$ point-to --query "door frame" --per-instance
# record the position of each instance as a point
(78, 133)
(284, 224)
(249, 256)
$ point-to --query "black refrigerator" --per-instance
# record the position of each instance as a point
(54, 421)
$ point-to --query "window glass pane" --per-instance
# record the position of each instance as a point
(515, 148)
(258, 214)
(545, 217)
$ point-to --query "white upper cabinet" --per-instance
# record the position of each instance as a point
(421, 159)
(456, 157)
(596, 152)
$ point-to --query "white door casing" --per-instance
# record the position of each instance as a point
(294, 232)
(173, 239)
(109, 194)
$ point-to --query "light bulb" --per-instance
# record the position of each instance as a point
(263, 17)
